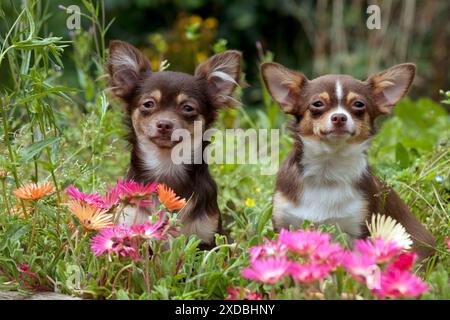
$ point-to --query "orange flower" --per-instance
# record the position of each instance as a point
(33, 191)
(90, 217)
(169, 198)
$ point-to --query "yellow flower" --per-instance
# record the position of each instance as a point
(195, 19)
(201, 56)
(258, 190)
(33, 191)
(90, 217)
(389, 230)
(250, 202)
(211, 23)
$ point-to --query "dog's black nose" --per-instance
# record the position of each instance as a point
(339, 119)
(164, 125)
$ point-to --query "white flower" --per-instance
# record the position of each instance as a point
(390, 230)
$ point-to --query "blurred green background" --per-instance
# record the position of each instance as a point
(315, 37)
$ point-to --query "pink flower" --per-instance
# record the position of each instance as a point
(399, 283)
(24, 267)
(404, 261)
(447, 241)
(308, 272)
(26, 274)
(303, 242)
(112, 197)
(157, 230)
(267, 249)
(115, 239)
(268, 270)
(329, 254)
(93, 199)
(135, 192)
(362, 267)
(381, 250)
(242, 294)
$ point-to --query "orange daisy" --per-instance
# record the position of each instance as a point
(169, 198)
(90, 217)
(33, 191)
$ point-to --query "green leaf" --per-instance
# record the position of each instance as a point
(122, 295)
(32, 150)
(402, 155)
(56, 90)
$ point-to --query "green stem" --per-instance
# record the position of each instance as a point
(33, 228)
(58, 196)
(52, 170)
(4, 195)
(136, 213)
(147, 262)
(8, 144)
(36, 179)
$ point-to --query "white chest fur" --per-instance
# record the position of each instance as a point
(328, 194)
(159, 163)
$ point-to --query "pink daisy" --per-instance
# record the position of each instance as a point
(93, 199)
(400, 284)
(112, 197)
(363, 268)
(135, 192)
(115, 239)
(242, 294)
(268, 270)
(309, 271)
(267, 249)
(404, 261)
(329, 254)
(381, 250)
(303, 242)
(157, 230)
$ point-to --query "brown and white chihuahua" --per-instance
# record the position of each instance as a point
(326, 178)
(157, 103)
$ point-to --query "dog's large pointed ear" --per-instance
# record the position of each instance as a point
(389, 86)
(284, 85)
(126, 65)
(222, 73)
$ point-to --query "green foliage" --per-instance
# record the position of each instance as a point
(416, 128)
(51, 131)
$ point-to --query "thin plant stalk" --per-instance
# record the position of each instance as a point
(10, 152)
(5, 198)
(136, 212)
(36, 173)
(41, 121)
(33, 229)
(8, 145)
(147, 263)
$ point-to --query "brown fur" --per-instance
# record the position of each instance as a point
(151, 98)
(378, 95)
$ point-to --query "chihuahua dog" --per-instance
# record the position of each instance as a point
(157, 104)
(326, 178)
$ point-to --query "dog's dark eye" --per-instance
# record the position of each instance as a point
(188, 108)
(149, 104)
(318, 104)
(359, 104)
(317, 107)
